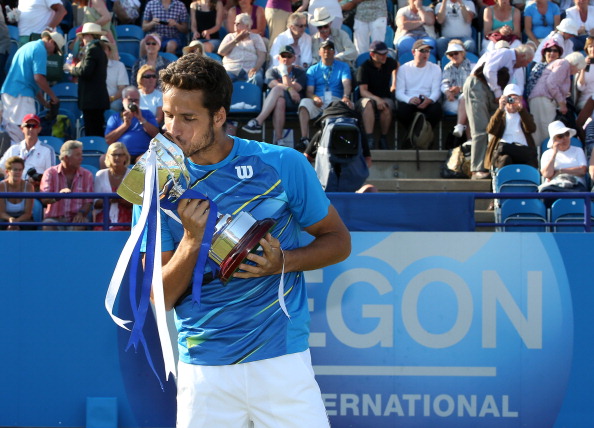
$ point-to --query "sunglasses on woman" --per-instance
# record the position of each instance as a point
(149, 76)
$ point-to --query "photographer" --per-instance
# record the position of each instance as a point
(134, 127)
(511, 129)
(36, 154)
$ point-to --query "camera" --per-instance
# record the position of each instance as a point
(164, 22)
(510, 100)
(33, 174)
(422, 98)
(133, 107)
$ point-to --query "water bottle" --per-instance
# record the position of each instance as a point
(69, 61)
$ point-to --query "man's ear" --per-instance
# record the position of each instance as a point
(220, 117)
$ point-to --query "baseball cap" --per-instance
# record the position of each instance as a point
(287, 49)
(327, 44)
(420, 44)
(455, 47)
(379, 47)
(512, 89)
(31, 117)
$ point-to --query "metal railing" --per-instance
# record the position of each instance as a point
(106, 223)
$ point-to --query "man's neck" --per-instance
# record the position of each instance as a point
(296, 37)
(328, 62)
(30, 143)
(419, 64)
(215, 153)
(376, 64)
(67, 169)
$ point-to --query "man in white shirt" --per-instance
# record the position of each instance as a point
(455, 17)
(297, 38)
(39, 15)
(418, 87)
(36, 154)
(481, 91)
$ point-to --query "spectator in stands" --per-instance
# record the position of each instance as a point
(333, 8)
(152, 45)
(108, 180)
(244, 52)
(126, 11)
(418, 87)
(414, 22)
(34, 153)
(169, 19)
(96, 12)
(254, 11)
(502, 21)
(277, 13)
(328, 80)
(206, 17)
(195, 46)
(551, 90)
(453, 77)
(566, 30)
(585, 79)
(540, 18)
(151, 98)
(551, 51)
(287, 87)
(583, 14)
(455, 18)
(585, 125)
(344, 48)
(563, 166)
(67, 177)
(295, 36)
(15, 210)
(117, 76)
(511, 129)
(91, 71)
(377, 84)
(481, 91)
(134, 127)
(37, 17)
(25, 78)
(371, 20)
(4, 47)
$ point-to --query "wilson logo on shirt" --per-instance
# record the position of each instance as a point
(244, 171)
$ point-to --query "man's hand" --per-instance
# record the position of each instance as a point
(318, 102)
(127, 117)
(381, 104)
(424, 104)
(415, 101)
(193, 214)
(270, 262)
(295, 96)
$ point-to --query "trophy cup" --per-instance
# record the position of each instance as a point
(233, 237)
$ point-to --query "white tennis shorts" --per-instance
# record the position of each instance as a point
(275, 393)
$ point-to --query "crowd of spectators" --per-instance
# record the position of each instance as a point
(453, 58)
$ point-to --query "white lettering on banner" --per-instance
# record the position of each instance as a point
(410, 316)
(494, 294)
(530, 327)
(383, 333)
(410, 405)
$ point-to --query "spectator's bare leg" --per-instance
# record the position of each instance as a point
(278, 117)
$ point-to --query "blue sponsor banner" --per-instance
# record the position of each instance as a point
(413, 330)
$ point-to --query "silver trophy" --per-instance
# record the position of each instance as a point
(234, 237)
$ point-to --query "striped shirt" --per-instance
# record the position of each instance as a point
(54, 180)
(176, 11)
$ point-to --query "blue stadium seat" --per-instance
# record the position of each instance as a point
(347, 30)
(169, 56)
(517, 179)
(569, 210)
(54, 142)
(531, 213)
(389, 38)
(67, 92)
(37, 211)
(214, 56)
(128, 60)
(13, 32)
(361, 59)
(91, 168)
(249, 94)
(94, 144)
(129, 37)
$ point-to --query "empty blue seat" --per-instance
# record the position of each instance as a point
(566, 211)
(94, 144)
(517, 179)
(246, 98)
(129, 37)
(531, 213)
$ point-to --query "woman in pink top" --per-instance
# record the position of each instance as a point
(551, 91)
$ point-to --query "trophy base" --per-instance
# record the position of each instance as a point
(246, 245)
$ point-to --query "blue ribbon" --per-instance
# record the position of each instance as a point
(206, 240)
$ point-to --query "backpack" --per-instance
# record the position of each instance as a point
(457, 164)
(420, 133)
(339, 163)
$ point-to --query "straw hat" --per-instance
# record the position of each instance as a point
(92, 28)
(321, 17)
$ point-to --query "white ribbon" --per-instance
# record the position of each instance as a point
(150, 184)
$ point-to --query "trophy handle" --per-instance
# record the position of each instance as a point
(246, 245)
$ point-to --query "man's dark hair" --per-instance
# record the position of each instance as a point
(195, 72)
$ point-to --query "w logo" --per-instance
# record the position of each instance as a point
(244, 171)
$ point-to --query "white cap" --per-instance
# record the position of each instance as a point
(455, 47)
(512, 89)
(568, 26)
